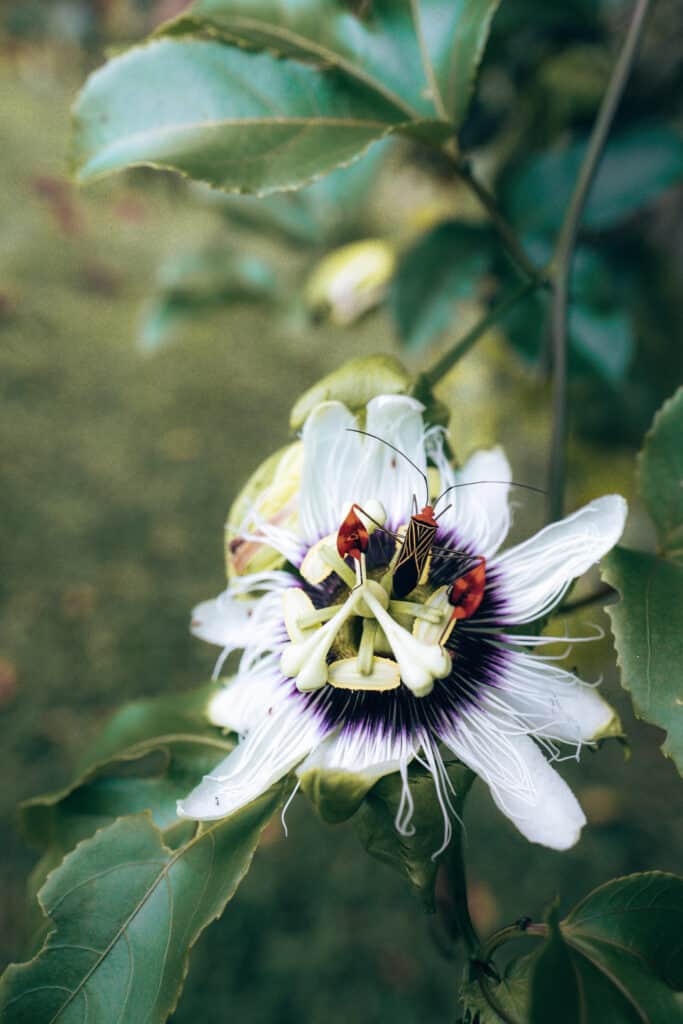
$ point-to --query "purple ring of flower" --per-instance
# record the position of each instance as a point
(477, 663)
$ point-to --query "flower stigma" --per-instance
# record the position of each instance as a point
(342, 652)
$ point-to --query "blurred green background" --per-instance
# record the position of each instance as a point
(119, 465)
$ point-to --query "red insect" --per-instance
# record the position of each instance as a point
(465, 595)
(353, 537)
(417, 544)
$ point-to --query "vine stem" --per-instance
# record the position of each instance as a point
(426, 381)
(564, 251)
(514, 931)
(515, 249)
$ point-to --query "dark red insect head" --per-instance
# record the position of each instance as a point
(426, 516)
(467, 592)
(352, 536)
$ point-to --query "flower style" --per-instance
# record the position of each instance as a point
(339, 674)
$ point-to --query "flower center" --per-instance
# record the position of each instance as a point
(362, 638)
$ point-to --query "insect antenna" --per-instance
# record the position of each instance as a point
(471, 483)
(366, 433)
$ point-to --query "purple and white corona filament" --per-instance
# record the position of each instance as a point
(338, 676)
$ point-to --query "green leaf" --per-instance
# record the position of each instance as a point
(511, 993)
(603, 340)
(240, 121)
(601, 337)
(374, 51)
(648, 621)
(422, 56)
(554, 980)
(635, 167)
(150, 754)
(126, 911)
(444, 267)
(648, 634)
(141, 723)
(661, 474)
(412, 856)
(329, 210)
(354, 384)
(455, 34)
(192, 283)
(617, 957)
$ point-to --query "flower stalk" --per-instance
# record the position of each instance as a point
(564, 252)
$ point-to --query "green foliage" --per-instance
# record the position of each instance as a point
(637, 164)
(617, 956)
(511, 994)
(127, 910)
(412, 855)
(601, 337)
(327, 211)
(648, 621)
(421, 56)
(191, 106)
(149, 754)
(192, 283)
(661, 475)
(444, 267)
(648, 634)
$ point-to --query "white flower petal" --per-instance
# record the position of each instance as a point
(331, 458)
(239, 705)
(480, 513)
(532, 577)
(224, 621)
(523, 785)
(384, 474)
(284, 736)
(236, 619)
(363, 752)
(554, 703)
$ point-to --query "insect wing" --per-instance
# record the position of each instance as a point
(412, 557)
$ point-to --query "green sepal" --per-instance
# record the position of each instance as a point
(336, 795)
(412, 856)
(354, 384)
(266, 558)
